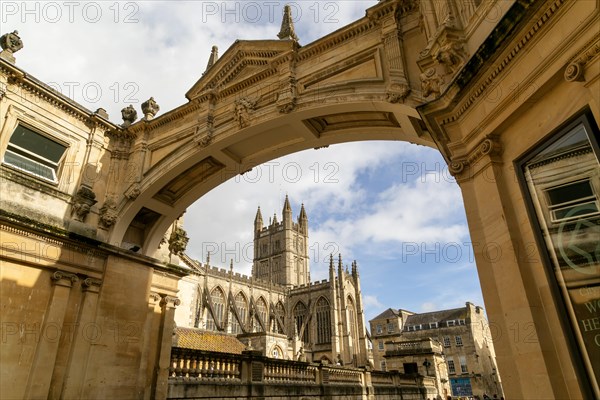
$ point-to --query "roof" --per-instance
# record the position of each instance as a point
(389, 313)
(191, 338)
(437, 316)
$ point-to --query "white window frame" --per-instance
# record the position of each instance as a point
(553, 208)
(458, 340)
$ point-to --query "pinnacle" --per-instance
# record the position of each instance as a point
(287, 25)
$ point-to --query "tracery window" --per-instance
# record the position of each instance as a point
(300, 315)
(261, 313)
(241, 306)
(323, 321)
(217, 299)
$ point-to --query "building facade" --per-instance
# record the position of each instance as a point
(278, 310)
(494, 86)
(460, 338)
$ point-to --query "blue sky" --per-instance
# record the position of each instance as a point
(392, 206)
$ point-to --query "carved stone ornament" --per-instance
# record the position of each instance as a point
(133, 192)
(108, 213)
(287, 25)
(397, 92)
(150, 108)
(574, 72)
(2, 90)
(451, 55)
(242, 110)
(129, 115)
(178, 241)
(62, 278)
(204, 140)
(83, 202)
(10, 43)
(286, 102)
(431, 83)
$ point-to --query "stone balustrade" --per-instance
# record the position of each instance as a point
(212, 375)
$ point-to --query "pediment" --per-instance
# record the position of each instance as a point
(244, 59)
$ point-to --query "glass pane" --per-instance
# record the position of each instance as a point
(563, 183)
(28, 165)
(570, 192)
(38, 144)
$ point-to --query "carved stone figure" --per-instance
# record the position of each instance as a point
(242, 110)
(397, 92)
(83, 202)
(431, 82)
(178, 241)
(129, 115)
(108, 213)
(451, 54)
(150, 108)
(10, 43)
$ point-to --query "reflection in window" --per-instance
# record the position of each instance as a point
(561, 180)
(34, 153)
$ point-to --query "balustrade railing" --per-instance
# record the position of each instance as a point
(189, 364)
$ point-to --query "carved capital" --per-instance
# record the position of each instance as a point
(61, 278)
(154, 299)
(83, 202)
(574, 72)
(91, 285)
(170, 301)
(489, 146)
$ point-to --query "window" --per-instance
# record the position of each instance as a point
(458, 340)
(411, 368)
(451, 368)
(572, 200)
(280, 317)
(261, 315)
(242, 311)
(461, 321)
(34, 153)
(300, 314)
(390, 327)
(323, 321)
(353, 328)
(382, 365)
(380, 345)
(446, 341)
(417, 327)
(450, 323)
(218, 307)
(379, 329)
(463, 364)
(433, 325)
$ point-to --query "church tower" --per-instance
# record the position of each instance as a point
(281, 248)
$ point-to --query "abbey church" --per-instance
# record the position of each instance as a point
(278, 310)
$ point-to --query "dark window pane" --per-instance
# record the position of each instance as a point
(570, 192)
(36, 143)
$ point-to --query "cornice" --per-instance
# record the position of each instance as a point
(495, 40)
(44, 92)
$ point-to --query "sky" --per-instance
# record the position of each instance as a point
(391, 206)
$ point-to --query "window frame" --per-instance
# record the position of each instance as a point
(56, 168)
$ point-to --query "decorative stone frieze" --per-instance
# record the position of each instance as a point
(83, 202)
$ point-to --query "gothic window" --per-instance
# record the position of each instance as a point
(34, 153)
(280, 313)
(323, 321)
(277, 353)
(241, 306)
(261, 314)
(300, 316)
(218, 306)
(352, 323)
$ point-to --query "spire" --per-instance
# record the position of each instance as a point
(302, 215)
(331, 268)
(340, 265)
(274, 219)
(286, 205)
(258, 220)
(214, 56)
(231, 265)
(287, 25)
(354, 268)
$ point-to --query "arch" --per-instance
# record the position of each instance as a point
(279, 312)
(323, 314)
(276, 352)
(216, 317)
(239, 321)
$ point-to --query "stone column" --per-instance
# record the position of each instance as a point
(163, 356)
(86, 332)
(38, 384)
(145, 375)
